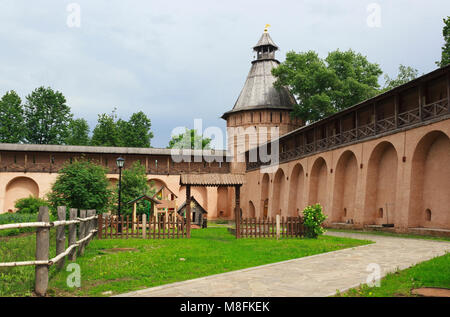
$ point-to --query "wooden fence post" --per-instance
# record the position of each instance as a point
(99, 226)
(61, 236)
(88, 226)
(94, 222)
(82, 232)
(42, 249)
(73, 234)
(104, 224)
(278, 226)
(144, 225)
(91, 224)
(237, 210)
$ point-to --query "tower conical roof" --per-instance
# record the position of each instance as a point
(265, 40)
(258, 92)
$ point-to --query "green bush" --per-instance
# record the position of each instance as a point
(313, 219)
(18, 218)
(30, 205)
(82, 185)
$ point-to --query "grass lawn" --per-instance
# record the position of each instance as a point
(432, 273)
(19, 281)
(156, 262)
(391, 234)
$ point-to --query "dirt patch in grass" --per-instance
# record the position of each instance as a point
(20, 235)
(431, 292)
(117, 250)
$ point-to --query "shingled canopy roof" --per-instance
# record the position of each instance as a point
(212, 179)
(144, 197)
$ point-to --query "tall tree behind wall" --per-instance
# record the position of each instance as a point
(405, 74)
(445, 55)
(11, 118)
(132, 133)
(46, 117)
(325, 86)
(78, 133)
(136, 131)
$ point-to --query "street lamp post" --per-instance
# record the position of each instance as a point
(120, 162)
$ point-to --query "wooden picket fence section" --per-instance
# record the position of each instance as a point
(273, 227)
(81, 224)
(170, 228)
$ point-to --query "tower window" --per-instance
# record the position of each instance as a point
(428, 215)
(281, 117)
(271, 117)
(260, 117)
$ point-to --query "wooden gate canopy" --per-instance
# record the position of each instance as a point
(212, 180)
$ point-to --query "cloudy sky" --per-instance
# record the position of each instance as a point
(180, 60)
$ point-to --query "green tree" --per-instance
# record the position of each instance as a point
(11, 118)
(405, 74)
(81, 185)
(189, 140)
(78, 132)
(106, 132)
(136, 131)
(46, 117)
(325, 86)
(30, 205)
(445, 55)
(134, 185)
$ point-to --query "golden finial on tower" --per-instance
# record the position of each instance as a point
(266, 28)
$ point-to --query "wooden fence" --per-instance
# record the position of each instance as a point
(278, 227)
(86, 222)
(113, 227)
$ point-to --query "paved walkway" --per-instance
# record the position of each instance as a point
(317, 275)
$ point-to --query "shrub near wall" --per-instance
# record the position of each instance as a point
(30, 205)
(313, 219)
(16, 218)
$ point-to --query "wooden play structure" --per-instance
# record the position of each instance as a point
(167, 203)
(199, 214)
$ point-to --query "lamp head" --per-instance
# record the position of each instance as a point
(120, 162)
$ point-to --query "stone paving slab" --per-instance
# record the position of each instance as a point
(317, 275)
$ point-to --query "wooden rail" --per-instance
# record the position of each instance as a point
(87, 229)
